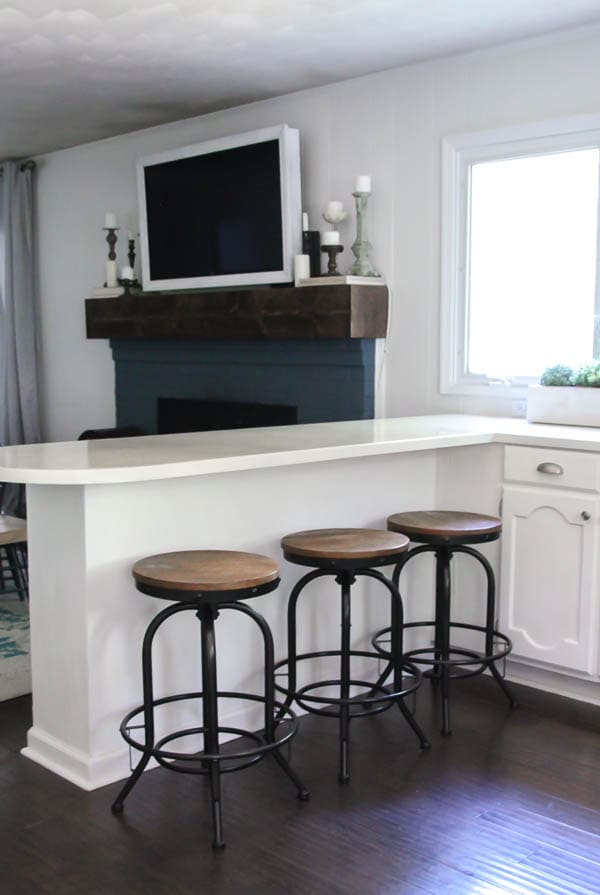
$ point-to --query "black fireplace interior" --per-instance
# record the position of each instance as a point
(191, 415)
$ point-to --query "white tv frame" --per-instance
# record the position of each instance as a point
(291, 202)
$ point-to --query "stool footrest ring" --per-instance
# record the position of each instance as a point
(200, 761)
(471, 656)
(374, 704)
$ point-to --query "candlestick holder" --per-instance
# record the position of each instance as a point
(111, 264)
(362, 248)
(332, 251)
(131, 252)
(111, 238)
(128, 285)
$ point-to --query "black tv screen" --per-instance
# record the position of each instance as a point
(215, 214)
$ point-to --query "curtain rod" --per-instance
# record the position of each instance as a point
(29, 165)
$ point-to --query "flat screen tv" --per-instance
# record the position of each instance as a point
(222, 213)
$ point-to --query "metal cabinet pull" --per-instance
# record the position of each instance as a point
(585, 515)
(550, 468)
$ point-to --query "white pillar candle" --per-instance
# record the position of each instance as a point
(110, 220)
(363, 183)
(304, 220)
(330, 238)
(301, 268)
(127, 273)
(111, 274)
(130, 235)
(334, 207)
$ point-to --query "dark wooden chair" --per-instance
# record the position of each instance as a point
(13, 554)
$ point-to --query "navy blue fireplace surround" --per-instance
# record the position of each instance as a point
(325, 379)
(307, 354)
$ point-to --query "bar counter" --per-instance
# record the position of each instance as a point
(96, 507)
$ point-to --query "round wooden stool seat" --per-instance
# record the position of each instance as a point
(192, 573)
(344, 546)
(446, 527)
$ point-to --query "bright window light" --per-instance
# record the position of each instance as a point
(531, 263)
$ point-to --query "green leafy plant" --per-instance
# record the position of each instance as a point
(587, 376)
(559, 374)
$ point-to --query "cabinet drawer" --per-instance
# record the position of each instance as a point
(552, 468)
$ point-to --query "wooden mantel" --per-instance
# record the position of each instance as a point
(310, 312)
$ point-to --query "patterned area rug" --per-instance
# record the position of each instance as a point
(15, 667)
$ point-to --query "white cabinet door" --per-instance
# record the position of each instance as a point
(548, 576)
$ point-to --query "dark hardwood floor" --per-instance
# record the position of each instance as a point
(509, 805)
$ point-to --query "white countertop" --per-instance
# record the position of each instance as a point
(201, 453)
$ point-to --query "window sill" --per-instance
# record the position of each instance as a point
(468, 388)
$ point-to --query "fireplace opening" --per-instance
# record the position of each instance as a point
(176, 415)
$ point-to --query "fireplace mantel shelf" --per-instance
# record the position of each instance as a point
(310, 312)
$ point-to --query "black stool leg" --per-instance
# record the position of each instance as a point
(345, 579)
(291, 634)
(442, 618)
(397, 635)
(303, 793)
(207, 615)
(397, 649)
(489, 637)
(415, 551)
(489, 623)
(438, 636)
(285, 766)
(389, 666)
(148, 688)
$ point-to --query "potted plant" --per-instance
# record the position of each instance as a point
(566, 396)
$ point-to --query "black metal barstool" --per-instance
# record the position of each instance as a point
(346, 554)
(208, 582)
(445, 533)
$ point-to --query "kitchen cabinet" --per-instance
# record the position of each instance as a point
(549, 568)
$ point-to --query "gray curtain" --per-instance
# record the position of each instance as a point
(19, 408)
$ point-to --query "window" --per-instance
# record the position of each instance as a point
(520, 255)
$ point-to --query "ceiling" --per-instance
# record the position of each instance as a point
(72, 71)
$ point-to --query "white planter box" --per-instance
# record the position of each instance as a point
(565, 405)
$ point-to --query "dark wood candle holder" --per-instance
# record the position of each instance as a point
(128, 285)
(111, 238)
(332, 251)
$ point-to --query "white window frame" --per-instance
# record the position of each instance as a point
(459, 154)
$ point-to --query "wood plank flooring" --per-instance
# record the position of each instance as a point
(508, 805)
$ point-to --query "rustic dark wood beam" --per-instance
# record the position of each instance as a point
(311, 312)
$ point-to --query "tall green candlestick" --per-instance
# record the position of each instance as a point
(362, 248)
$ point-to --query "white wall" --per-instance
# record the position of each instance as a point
(389, 125)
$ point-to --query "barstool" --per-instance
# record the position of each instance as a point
(208, 582)
(346, 554)
(445, 533)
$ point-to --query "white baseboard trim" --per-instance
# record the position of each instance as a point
(91, 773)
(554, 682)
(73, 765)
